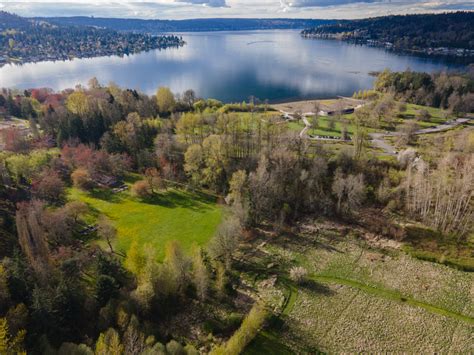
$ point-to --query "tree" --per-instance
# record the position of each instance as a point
(145, 293)
(49, 187)
(107, 231)
(224, 244)
(4, 291)
(423, 115)
(14, 140)
(109, 343)
(360, 140)
(135, 260)
(200, 275)
(441, 197)
(331, 123)
(178, 265)
(350, 191)
(9, 344)
(165, 100)
(407, 133)
(237, 187)
(189, 98)
(82, 179)
(194, 163)
(152, 176)
(216, 162)
(76, 209)
(314, 122)
(32, 238)
(106, 288)
(77, 103)
(298, 274)
(175, 348)
(142, 189)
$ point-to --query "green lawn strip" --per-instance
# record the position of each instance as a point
(392, 295)
(290, 300)
(268, 341)
(187, 217)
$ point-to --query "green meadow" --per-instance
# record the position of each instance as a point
(187, 217)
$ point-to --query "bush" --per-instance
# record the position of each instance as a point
(81, 179)
(175, 348)
(298, 274)
(142, 189)
(406, 157)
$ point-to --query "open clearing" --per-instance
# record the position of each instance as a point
(363, 296)
(189, 218)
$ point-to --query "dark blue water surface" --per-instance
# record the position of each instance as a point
(231, 66)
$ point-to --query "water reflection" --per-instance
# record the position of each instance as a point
(231, 66)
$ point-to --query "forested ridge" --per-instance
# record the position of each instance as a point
(25, 40)
(404, 32)
(75, 280)
(191, 25)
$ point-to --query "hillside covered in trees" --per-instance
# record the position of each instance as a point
(24, 40)
(170, 224)
(191, 25)
(448, 33)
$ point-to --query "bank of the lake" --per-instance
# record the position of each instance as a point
(276, 65)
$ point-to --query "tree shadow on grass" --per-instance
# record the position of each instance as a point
(317, 288)
(106, 195)
(297, 241)
(180, 199)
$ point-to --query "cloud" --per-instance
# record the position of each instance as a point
(323, 3)
(211, 3)
(185, 9)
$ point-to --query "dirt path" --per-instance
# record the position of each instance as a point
(379, 142)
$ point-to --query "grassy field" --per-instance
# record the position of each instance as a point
(323, 129)
(190, 218)
(365, 296)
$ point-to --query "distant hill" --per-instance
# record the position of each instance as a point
(437, 32)
(8, 21)
(194, 25)
(25, 40)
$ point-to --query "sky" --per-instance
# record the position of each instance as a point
(184, 9)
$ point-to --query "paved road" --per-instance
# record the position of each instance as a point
(377, 138)
(379, 142)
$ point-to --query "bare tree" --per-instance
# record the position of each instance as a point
(442, 197)
(107, 231)
(225, 242)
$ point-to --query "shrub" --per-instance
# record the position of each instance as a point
(142, 189)
(298, 274)
(175, 348)
(406, 157)
(423, 115)
(81, 179)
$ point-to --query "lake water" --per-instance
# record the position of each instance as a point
(231, 66)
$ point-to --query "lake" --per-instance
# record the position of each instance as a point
(231, 66)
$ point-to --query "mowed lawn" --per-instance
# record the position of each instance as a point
(323, 128)
(187, 217)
